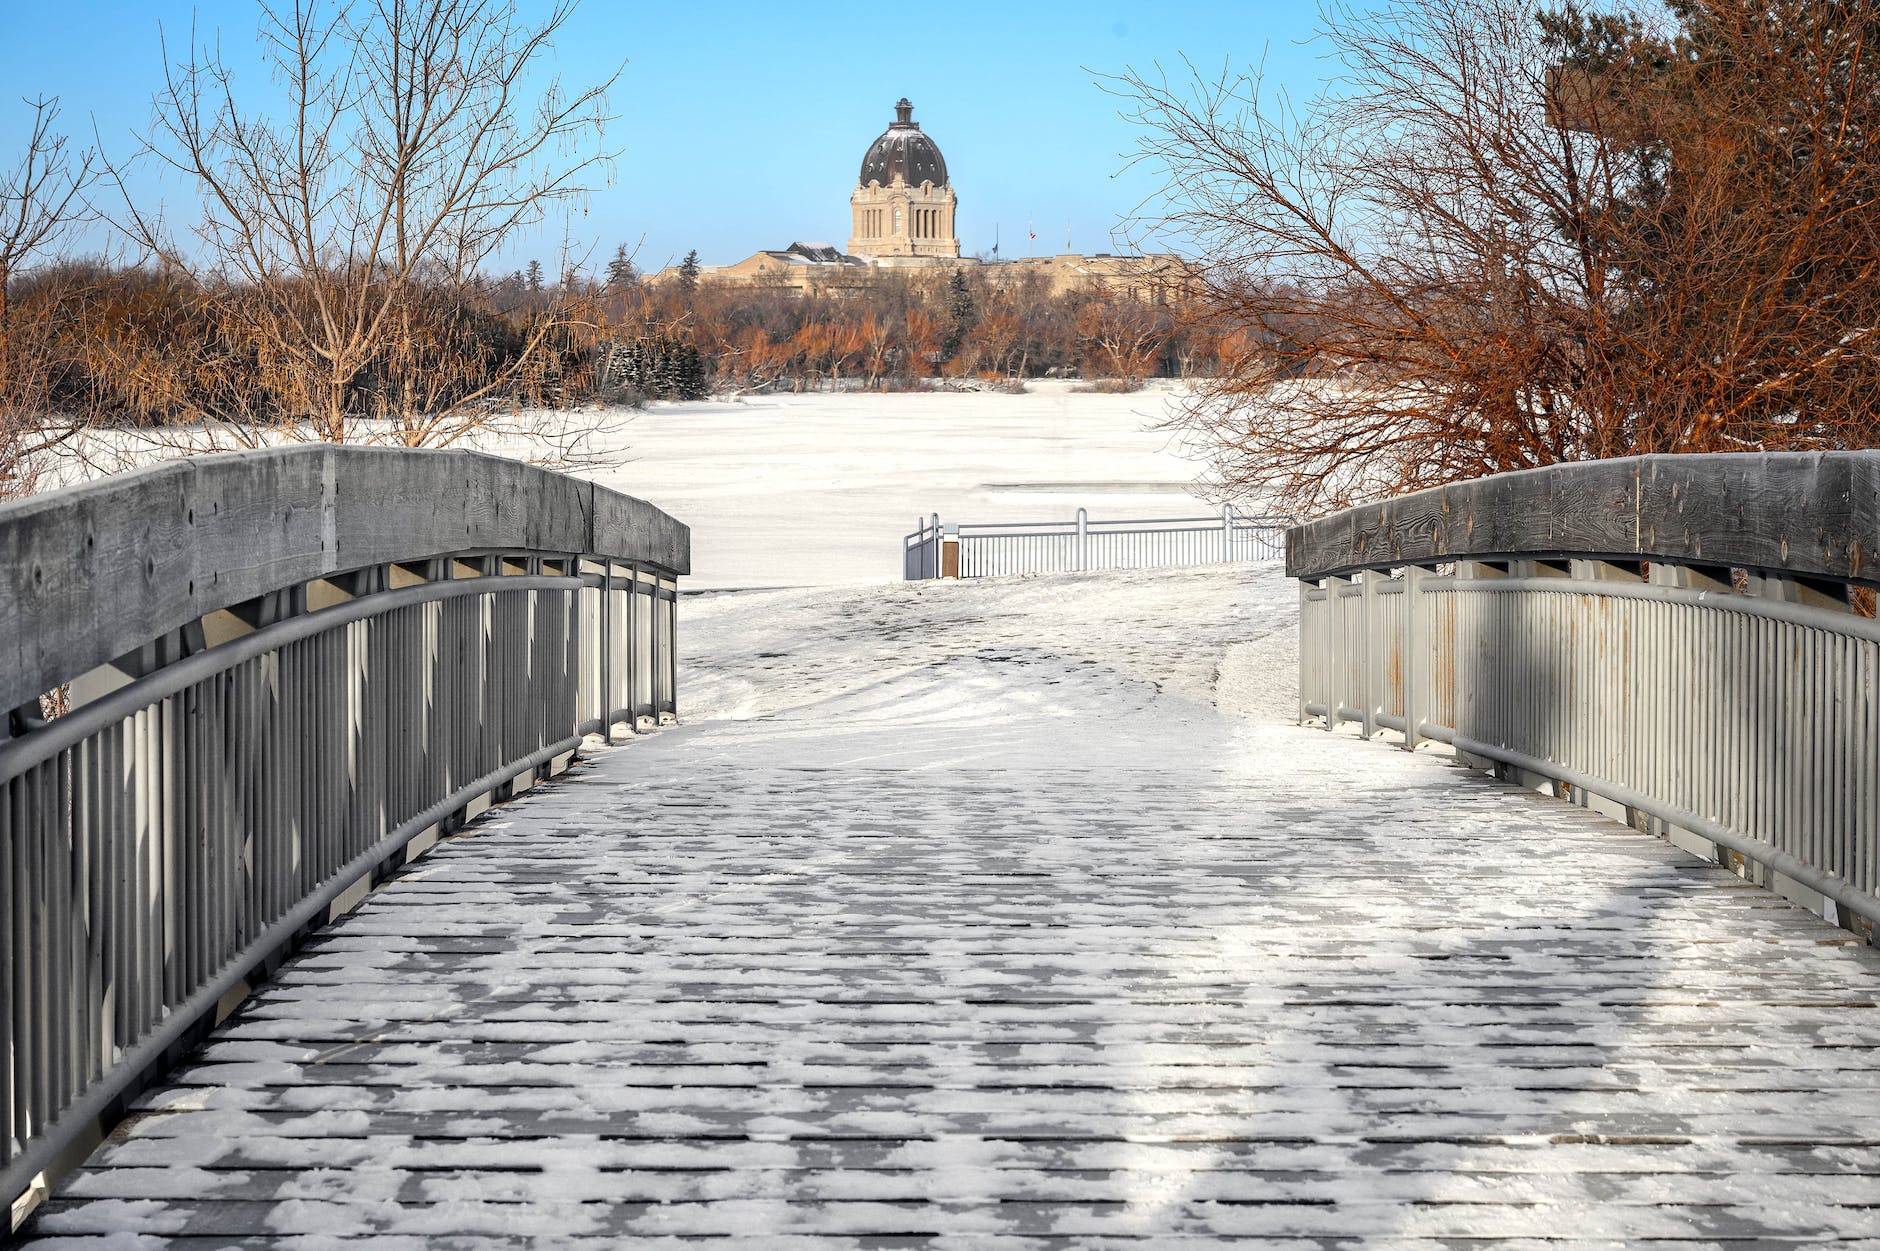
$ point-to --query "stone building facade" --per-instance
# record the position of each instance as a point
(902, 215)
(902, 206)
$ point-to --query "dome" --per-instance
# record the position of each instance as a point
(905, 152)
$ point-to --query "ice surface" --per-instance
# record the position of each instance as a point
(817, 490)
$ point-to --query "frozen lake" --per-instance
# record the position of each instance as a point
(817, 490)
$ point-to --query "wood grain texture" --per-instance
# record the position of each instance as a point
(857, 968)
(89, 573)
(1814, 515)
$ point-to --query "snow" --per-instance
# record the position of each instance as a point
(995, 672)
(971, 913)
(1014, 913)
(817, 490)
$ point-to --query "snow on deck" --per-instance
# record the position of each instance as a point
(1014, 914)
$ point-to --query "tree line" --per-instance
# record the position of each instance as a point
(895, 328)
(152, 345)
(336, 276)
(1507, 234)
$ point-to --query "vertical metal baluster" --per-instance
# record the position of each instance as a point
(633, 648)
(11, 1119)
(1415, 654)
(16, 856)
(45, 1042)
(672, 650)
(77, 762)
(1863, 749)
(606, 651)
(1367, 647)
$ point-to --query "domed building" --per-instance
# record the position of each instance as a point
(901, 213)
(903, 205)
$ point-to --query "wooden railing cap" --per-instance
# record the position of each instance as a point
(1798, 514)
(91, 572)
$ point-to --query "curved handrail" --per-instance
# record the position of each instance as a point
(126, 559)
(1803, 514)
(1672, 639)
(212, 793)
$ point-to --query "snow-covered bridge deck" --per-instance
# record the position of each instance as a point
(1015, 914)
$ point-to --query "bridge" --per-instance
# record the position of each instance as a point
(368, 892)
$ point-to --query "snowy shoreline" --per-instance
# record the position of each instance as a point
(817, 490)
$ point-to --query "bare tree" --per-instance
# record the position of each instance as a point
(42, 197)
(1512, 235)
(1121, 338)
(1395, 250)
(344, 240)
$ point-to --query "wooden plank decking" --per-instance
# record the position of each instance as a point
(732, 983)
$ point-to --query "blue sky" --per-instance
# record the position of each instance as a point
(741, 125)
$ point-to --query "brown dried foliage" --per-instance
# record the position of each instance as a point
(888, 329)
(335, 263)
(41, 199)
(1487, 248)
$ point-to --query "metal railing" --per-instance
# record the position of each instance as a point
(1678, 641)
(1083, 545)
(289, 672)
(920, 551)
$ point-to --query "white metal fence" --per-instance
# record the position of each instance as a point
(1733, 708)
(1082, 545)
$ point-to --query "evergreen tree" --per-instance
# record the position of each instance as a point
(534, 279)
(1744, 235)
(620, 271)
(962, 315)
(659, 366)
(688, 272)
